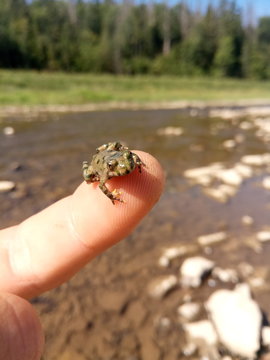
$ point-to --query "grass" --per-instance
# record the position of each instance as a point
(43, 88)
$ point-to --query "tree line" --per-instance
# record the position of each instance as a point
(108, 36)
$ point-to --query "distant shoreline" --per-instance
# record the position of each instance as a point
(225, 109)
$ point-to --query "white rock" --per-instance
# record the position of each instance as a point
(216, 194)
(229, 144)
(174, 252)
(243, 170)
(196, 173)
(204, 180)
(188, 311)
(189, 349)
(247, 220)
(170, 130)
(194, 269)
(163, 261)
(237, 319)
(266, 183)
(245, 125)
(266, 336)
(228, 190)
(263, 124)
(6, 186)
(8, 130)
(256, 160)
(246, 269)
(256, 282)
(225, 275)
(211, 238)
(221, 193)
(263, 236)
(160, 286)
(230, 177)
(201, 330)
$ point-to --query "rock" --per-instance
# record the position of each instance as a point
(8, 130)
(6, 186)
(160, 286)
(229, 144)
(194, 269)
(256, 282)
(230, 177)
(219, 193)
(196, 173)
(247, 220)
(266, 183)
(246, 269)
(170, 130)
(256, 160)
(189, 349)
(225, 275)
(163, 261)
(209, 239)
(245, 125)
(174, 252)
(201, 330)
(266, 336)
(263, 236)
(189, 311)
(237, 319)
(243, 170)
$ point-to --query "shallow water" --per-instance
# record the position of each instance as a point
(44, 159)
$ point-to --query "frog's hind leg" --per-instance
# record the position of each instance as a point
(113, 196)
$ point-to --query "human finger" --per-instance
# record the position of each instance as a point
(49, 247)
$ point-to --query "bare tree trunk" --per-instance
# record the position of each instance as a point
(166, 31)
(72, 11)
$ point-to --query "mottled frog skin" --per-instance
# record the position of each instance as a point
(112, 159)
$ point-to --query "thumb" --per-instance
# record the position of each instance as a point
(21, 336)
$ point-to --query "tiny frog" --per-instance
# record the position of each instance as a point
(112, 159)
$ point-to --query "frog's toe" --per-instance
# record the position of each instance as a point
(116, 195)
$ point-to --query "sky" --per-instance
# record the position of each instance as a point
(259, 7)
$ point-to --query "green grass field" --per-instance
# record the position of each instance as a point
(43, 88)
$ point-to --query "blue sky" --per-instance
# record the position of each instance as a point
(259, 7)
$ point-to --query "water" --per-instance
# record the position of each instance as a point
(44, 158)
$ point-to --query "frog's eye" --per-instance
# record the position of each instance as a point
(112, 164)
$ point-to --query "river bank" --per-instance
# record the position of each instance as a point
(223, 109)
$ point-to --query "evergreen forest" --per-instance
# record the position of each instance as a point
(126, 37)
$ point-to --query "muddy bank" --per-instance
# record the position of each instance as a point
(217, 183)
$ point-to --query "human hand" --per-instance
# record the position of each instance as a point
(48, 248)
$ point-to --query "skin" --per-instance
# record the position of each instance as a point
(48, 248)
(111, 160)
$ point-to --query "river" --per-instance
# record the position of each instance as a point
(105, 311)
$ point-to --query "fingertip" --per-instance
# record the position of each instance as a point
(95, 214)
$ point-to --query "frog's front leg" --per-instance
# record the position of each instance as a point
(138, 161)
(113, 196)
(88, 174)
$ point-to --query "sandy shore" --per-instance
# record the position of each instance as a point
(224, 109)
